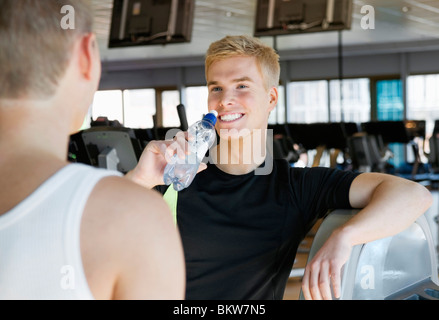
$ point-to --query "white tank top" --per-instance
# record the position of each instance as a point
(40, 255)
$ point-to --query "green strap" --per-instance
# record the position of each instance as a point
(171, 197)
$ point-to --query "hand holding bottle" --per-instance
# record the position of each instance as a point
(149, 172)
(181, 172)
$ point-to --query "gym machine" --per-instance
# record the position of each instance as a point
(400, 267)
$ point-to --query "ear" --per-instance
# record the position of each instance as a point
(88, 56)
(273, 96)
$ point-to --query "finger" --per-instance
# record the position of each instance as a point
(336, 281)
(182, 146)
(187, 136)
(314, 282)
(175, 148)
(162, 148)
(324, 282)
(305, 285)
(181, 136)
(202, 167)
(157, 147)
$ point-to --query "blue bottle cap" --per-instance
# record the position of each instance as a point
(211, 117)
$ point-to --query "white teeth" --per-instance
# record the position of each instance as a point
(231, 117)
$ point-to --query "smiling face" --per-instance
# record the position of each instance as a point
(238, 92)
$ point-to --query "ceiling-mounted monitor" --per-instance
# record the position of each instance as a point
(151, 22)
(283, 17)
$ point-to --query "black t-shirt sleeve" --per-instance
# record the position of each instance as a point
(318, 190)
(161, 189)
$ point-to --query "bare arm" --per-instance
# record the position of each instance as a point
(390, 205)
(131, 248)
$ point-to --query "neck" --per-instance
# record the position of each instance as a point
(32, 129)
(240, 155)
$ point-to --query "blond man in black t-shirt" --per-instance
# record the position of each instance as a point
(242, 77)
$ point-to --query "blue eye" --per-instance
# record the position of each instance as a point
(216, 89)
(242, 86)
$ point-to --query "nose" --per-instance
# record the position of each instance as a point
(227, 98)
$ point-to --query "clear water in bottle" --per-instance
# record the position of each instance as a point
(181, 172)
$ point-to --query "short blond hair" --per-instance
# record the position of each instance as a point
(243, 45)
(34, 48)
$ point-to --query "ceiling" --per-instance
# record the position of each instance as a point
(413, 23)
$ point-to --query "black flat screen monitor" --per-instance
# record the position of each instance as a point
(283, 17)
(330, 135)
(416, 128)
(151, 22)
(390, 131)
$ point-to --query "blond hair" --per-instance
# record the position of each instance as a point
(243, 45)
(35, 49)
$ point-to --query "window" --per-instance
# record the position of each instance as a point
(308, 102)
(196, 103)
(170, 100)
(423, 99)
(139, 108)
(132, 108)
(356, 100)
(278, 114)
(320, 101)
(423, 104)
(108, 104)
(390, 107)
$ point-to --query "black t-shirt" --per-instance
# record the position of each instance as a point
(240, 233)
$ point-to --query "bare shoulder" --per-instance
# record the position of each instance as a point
(127, 231)
(122, 204)
(119, 195)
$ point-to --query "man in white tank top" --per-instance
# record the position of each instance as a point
(69, 231)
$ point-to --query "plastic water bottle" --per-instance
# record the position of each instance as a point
(202, 134)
